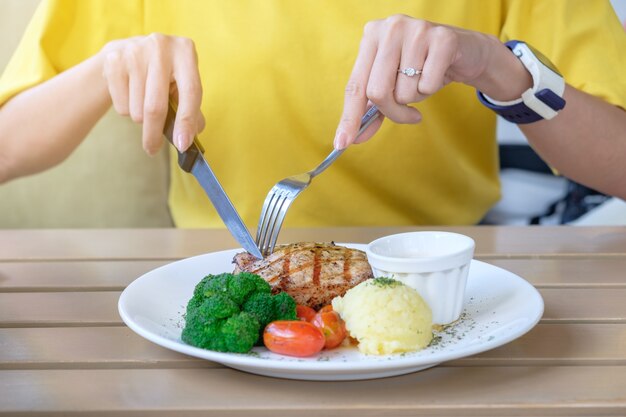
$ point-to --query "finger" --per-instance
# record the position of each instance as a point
(371, 129)
(441, 53)
(189, 88)
(174, 98)
(136, 88)
(355, 99)
(117, 81)
(413, 56)
(155, 107)
(382, 81)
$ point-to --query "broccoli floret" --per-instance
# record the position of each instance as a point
(217, 306)
(203, 332)
(240, 332)
(199, 290)
(284, 307)
(198, 293)
(216, 283)
(228, 312)
(261, 306)
(241, 286)
(259, 283)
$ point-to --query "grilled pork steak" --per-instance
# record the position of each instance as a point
(312, 273)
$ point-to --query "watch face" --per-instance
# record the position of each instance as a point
(544, 60)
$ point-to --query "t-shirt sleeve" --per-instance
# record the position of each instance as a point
(63, 33)
(584, 39)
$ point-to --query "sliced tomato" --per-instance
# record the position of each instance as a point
(305, 313)
(332, 326)
(293, 338)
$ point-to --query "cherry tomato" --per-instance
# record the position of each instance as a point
(305, 313)
(293, 338)
(332, 326)
(326, 308)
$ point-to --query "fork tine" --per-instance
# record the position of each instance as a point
(271, 224)
(268, 205)
(278, 223)
(271, 209)
(268, 237)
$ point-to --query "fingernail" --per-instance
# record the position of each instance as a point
(181, 142)
(340, 140)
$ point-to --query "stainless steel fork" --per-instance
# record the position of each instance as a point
(284, 192)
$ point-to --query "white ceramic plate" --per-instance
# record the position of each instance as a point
(499, 307)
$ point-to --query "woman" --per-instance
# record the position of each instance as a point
(268, 83)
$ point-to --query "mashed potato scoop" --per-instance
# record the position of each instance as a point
(385, 316)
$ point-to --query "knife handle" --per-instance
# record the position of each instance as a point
(188, 158)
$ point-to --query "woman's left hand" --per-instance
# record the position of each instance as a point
(431, 56)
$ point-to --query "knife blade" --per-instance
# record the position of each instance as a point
(192, 161)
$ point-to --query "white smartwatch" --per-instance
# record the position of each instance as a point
(543, 100)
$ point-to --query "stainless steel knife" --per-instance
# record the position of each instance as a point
(193, 161)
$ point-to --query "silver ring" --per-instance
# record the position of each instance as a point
(410, 72)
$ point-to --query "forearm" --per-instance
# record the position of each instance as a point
(585, 142)
(41, 126)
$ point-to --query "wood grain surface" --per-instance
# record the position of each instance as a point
(65, 351)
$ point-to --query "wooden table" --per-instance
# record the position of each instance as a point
(64, 349)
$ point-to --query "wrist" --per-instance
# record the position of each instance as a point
(97, 74)
(504, 77)
(542, 101)
(97, 77)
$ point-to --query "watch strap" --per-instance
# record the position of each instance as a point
(540, 105)
(520, 113)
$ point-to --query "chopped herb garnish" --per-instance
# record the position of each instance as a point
(385, 282)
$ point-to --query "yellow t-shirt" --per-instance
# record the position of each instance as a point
(274, 73)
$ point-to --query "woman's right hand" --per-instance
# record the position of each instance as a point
(142, 73)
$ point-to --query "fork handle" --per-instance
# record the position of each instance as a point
(367, 119)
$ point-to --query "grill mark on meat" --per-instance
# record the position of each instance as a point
(347, 256)
(289, 269)
(284, 278)
(317, 265)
